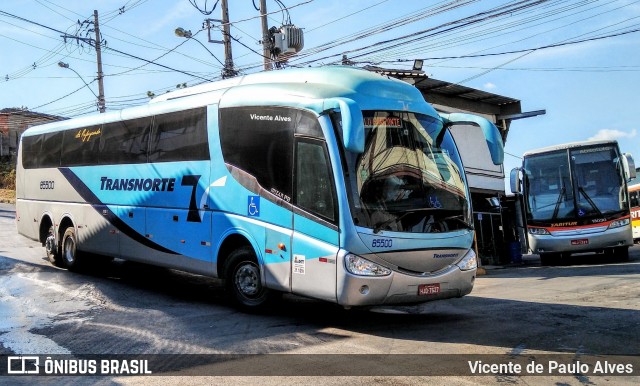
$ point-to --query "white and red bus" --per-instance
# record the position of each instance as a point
(576, 199)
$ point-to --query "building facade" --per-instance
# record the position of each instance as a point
(13, 122)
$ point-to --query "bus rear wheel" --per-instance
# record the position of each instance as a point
(244, 282)
(51, 247)
(69, 249)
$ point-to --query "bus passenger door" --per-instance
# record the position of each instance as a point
(315, 235)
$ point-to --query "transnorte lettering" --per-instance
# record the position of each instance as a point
(138, 184)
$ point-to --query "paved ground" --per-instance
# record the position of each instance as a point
(588, 308)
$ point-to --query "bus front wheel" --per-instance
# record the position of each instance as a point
(621, 254)
(244, 282)
(549, 258)
(69, 249)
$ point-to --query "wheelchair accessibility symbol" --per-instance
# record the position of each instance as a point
(253, 206)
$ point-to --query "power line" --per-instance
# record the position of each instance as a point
(62, 97)
(528, 49)
(90, 42)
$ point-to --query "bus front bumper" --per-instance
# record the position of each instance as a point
(585, 242)
(403, 288)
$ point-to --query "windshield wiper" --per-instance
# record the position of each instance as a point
(460, 221)
(378, 227)
(558, 202)
(590, 201)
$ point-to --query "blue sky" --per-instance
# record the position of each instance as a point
(589, 89)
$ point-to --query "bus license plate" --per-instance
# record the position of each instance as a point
(429, 289)
(580, 242)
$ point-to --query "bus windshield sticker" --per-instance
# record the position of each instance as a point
(390, 122)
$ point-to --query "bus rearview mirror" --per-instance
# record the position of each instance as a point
(629, 166)
(352, 123)
(490, 131)
(515, 180)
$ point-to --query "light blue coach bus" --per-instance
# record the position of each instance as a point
(333, 183)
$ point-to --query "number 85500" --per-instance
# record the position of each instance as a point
(382, 243)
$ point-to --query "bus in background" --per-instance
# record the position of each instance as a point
(333, 183)
(634, 199)
(576, 200)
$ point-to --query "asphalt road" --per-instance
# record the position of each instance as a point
(589, 308)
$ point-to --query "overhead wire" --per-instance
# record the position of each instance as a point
(474, 36)
(385, 28)
(438, 8)
(476, 18)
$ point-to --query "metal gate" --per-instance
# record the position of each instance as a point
(489, 236)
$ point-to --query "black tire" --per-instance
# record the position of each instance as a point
(621, 254)
(52, 248)
(244, 282)
(68, 249)
(549, 258)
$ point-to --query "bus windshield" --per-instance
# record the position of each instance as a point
(407, 180)
(581, 182)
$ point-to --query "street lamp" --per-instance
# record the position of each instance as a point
(66, 65)
(183, 33)
(227, 71)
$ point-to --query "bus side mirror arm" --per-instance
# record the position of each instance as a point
(490, 131)
(352, 122)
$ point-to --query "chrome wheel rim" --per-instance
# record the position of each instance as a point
(69, 250)
(247, 280)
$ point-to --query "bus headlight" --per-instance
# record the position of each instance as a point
(538, 231)
(468, 262)
(619, 223)
(363, 267)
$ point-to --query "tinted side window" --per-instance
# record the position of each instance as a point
(80, 146)
(307, 124)
(314, 182)
(31, 151)
(179, 136)
(125, 142)
(50, 151)
(259, 140)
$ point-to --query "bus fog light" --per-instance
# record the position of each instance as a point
(468, 262)
(619, 223)
(364, 289)
(363, 267)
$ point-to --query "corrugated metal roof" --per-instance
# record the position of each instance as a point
(456, 90)
(426, 84)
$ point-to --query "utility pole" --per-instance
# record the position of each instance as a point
(99, 58)
(226, 30)
(266, 41)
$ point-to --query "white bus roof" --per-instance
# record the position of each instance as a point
(569, 145)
